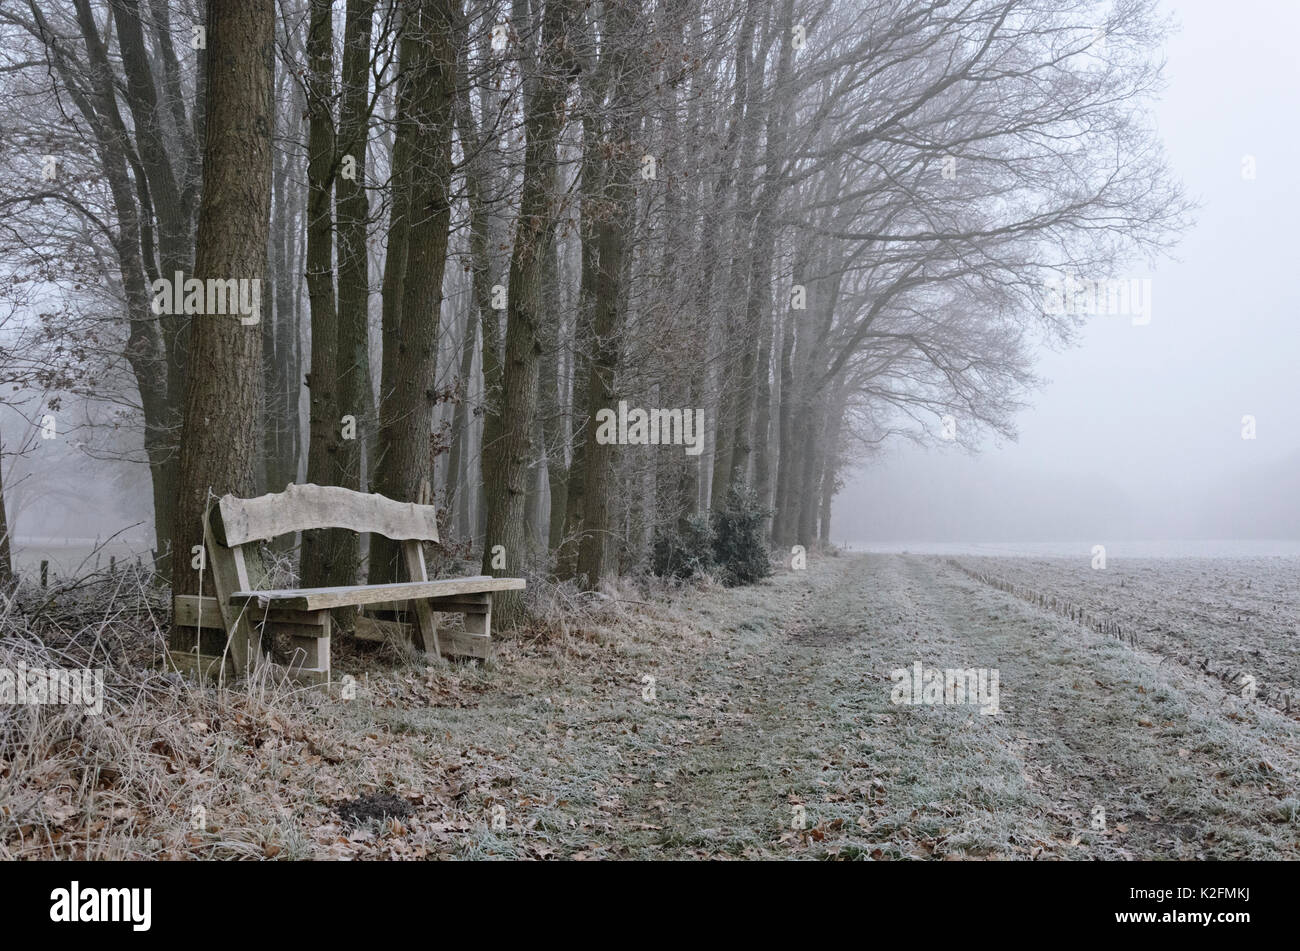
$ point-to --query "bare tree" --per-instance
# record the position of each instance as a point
(220, 439)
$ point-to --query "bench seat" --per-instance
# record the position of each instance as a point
(315, 599)
(258, 624)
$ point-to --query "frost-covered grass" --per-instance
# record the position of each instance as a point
(770, 732)
(1241, 615)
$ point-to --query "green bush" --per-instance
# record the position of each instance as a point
(738, 547)
(684, 553)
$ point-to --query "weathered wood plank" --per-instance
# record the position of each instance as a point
(459, 604)
(208, 667)
(453, 643)
(302, 675)
(381, 630)
(315, 599)
(288, 629)
(452, 602)
(479, 623)
(466, 604)
(303, 507)
(227, 572)
(312, 618)
(465, 644)
(306, 652)
(453, 605)
(203, 666)
(413, 555)
(186, 613)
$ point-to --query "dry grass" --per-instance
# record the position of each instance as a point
(251, 769)
(121, 783)
(765, 698)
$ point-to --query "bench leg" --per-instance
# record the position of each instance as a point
(309, 641)
(478, 620)
(229, 575)
(426, 626)
(426, 629)
(477, 609)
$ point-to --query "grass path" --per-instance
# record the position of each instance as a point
(747, 723)
(779, 699)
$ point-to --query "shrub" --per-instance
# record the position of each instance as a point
(738, 547)
(684, 553)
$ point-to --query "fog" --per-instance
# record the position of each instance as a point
(1137, 432)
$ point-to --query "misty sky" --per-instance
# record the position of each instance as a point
(1137, 433)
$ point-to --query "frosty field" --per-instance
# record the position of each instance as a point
(766, 729)
(1234, 617)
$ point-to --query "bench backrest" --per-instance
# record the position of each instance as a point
(236, 526)
(305, 507)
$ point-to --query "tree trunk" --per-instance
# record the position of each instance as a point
(830, 470)
(743, 401)
(761, 453)
(505, 476)
(610, 234)
(161, 197)
(320, 548)
(281, 402)
(782, 531)
(353, 209)
(480, 181)
(6, 560)
(611, 243)
(458, 494)
(549, 412)
(591, 187)
(383, 553)
(219, 439)
(425, 116)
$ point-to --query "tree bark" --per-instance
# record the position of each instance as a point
(591, 186)
(320, 548)
(506, 476)
(458, 494)
(426, 110)
(353, 210)
(219, 439)
(610, 234)
(6, 560)
(743, 401)
(480, 181)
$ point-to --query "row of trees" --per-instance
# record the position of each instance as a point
(485, 225)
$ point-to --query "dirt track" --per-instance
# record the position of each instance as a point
(778, 697)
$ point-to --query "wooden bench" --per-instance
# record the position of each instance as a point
(248, 614)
